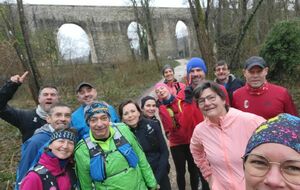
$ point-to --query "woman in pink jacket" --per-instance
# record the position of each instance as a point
(219, 142)
(52, 170)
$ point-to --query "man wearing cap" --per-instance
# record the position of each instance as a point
(226, 79)
(26, 120)
(259, 96)
(59, 117)
(86, 94)
(171, 81)
(110, 157)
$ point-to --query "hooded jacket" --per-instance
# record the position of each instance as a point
(33, 180)
(26, 120)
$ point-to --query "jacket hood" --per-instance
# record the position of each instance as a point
(45, 128)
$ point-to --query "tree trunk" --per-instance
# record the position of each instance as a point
(297, 8)
(29, 63)
(242, 34)
(203, 40)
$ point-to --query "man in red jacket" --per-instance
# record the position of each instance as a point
(259, 96)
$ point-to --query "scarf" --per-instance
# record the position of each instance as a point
(41, 113)
(169, 100)
(257, 91)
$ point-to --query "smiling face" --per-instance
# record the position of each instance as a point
(169, 75)
(86, 95)
(273, 180)
(197, 75)
(149, 108)
(47, 97)
(59, 117)
(256, 76)
(131, 115)
(162, 92)
(99, 125)
(211, 104)
(222, 72)
(62, 148)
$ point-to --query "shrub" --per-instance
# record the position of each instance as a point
(281, 51)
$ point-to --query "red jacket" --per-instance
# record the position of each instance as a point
(268, 101)
(179, 128)
(33, 180)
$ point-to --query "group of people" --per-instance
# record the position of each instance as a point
(231, 134)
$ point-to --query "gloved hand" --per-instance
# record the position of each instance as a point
(188, 92)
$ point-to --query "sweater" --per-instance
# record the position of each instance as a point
(267, 101)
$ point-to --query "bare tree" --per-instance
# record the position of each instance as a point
(297, 8)
(25, 58)
(203, 38)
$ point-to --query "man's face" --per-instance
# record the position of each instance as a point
(86, 95)
(222, 72)
(256, 76)
(169, 75)
(99, 125)
(47, 97)
(59, 117)
(197, 75)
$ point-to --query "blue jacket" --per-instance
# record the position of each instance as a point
(78, 120)
(30, 150)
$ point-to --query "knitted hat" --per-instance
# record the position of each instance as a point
(145, 99)
(167, 66)
(82, 84)
(63, 134)
(255, 61)
(283, 129)
(196, 62)
(94, 108)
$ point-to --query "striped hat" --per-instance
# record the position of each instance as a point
(64, 134)
(94, 108)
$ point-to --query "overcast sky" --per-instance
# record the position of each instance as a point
(159, 3)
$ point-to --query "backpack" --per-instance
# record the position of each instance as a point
(97, 155)
(48, 180)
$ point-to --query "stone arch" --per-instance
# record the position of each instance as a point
(183, 37)
(75, 43)
(138, 43)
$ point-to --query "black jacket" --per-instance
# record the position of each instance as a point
(232, 85)
(27, 121)
(150, 137)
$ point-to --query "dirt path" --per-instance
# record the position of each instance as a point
(180, 72)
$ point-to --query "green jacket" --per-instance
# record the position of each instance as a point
(139, 178)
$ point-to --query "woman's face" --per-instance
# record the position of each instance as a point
(62, 148)
(273, 179)
(131, 115)
(211, 104)
(149, 108)
(169, 75)
(162, 92)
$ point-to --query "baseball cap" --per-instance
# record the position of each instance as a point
(255, 61)
(82, 84)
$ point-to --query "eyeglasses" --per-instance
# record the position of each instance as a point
(209, 98)
(259, 166)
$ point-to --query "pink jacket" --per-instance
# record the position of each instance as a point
(217, 149)
(33, 180)
(175, 87)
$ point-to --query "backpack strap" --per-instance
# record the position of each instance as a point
(177, 87)
(172, 115)
(48, 180)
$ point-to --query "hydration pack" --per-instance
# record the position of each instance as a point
(97, 155)
(48, 180)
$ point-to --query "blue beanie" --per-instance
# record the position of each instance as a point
(196, 62)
